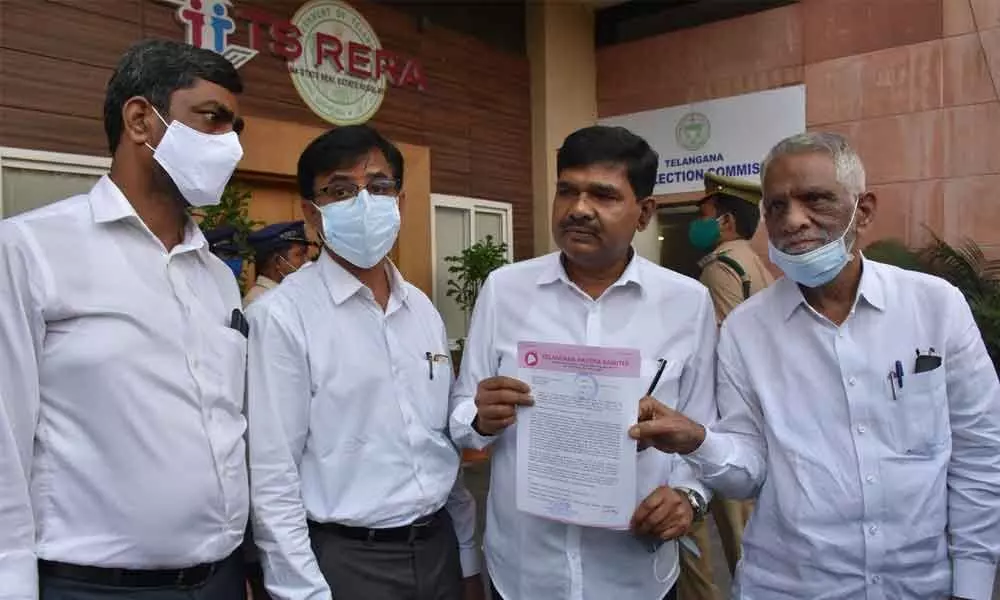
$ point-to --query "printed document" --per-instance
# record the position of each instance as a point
(575, 461)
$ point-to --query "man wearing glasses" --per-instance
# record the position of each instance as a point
(349, 383)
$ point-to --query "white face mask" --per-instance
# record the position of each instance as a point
(819, 266)
(361, 230)
(200, 164)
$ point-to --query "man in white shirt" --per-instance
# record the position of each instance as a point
(122, 358)
(596, 291)
(349, 377)
(857, 400)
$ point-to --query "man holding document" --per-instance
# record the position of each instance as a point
(565, 346)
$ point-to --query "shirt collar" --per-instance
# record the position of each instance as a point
(554, 271)
(871, 290)
(266, 282)
(343, 285)
(108, 205)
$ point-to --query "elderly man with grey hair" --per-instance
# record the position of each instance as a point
(857, 402)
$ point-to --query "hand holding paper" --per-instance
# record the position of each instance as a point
(666, 429)
(497, 400)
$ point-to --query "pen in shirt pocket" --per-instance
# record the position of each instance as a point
(656, 378)
(431, 359)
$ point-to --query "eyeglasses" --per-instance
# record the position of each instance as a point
(338, 191)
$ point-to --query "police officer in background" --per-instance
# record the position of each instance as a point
(280, 249)
(732, 272)
(222, 243)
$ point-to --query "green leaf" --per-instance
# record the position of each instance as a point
(233, 209)
(471, 268)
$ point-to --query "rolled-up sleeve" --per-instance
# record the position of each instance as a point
(974, 472)
(22, 329)
(732, 459)
(478, 363)
(279, 396)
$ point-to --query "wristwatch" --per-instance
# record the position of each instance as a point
(699, 504)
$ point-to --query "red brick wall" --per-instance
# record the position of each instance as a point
(56, 57)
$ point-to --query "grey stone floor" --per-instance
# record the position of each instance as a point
(477, 478)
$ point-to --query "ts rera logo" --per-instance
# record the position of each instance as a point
(208, 25)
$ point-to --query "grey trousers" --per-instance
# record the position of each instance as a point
(426, 569)
(228, 583)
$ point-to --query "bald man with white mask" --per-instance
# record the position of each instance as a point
(857, 401)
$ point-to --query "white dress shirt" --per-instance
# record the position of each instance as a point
(346, 423)
(122, 394)
(660, 313)
(859, 490)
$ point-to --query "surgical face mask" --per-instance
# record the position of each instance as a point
(288, 265)
(704, 233)
(361, 230)
(200, 164)
(817, 267)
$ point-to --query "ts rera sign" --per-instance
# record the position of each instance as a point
(334, 57)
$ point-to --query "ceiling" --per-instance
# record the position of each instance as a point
(618, 21)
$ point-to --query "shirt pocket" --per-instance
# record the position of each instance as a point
(668, 387)
(434, 369)
(228, 363)
(921, 413)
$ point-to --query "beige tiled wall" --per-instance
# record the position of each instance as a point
(915, 84)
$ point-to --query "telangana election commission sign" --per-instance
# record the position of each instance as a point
(728, 136)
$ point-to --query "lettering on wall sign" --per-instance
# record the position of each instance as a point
(333, 56)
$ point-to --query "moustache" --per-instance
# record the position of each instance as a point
(575, 225)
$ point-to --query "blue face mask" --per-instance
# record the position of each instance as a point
(817, 267)
(236, 264)
(361, 230)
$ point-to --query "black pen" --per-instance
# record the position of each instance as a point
(656, 378)
(430, 365)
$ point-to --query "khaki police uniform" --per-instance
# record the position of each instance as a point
(729, 284)
(724, 283)
(260, 286)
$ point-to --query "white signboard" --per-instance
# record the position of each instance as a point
(728, 136)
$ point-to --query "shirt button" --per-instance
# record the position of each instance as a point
(870, 479)
(862, 429)
(876, 578)
(873, 529)
(852, 381)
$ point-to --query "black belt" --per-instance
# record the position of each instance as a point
(418, 530)
(192, 577)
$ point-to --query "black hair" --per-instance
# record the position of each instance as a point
(341, 148)
(264, 256)
(601, 144)
(745, 215)
(155, 69)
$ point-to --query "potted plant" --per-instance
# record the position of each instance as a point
(469, 271)
(232, 210)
